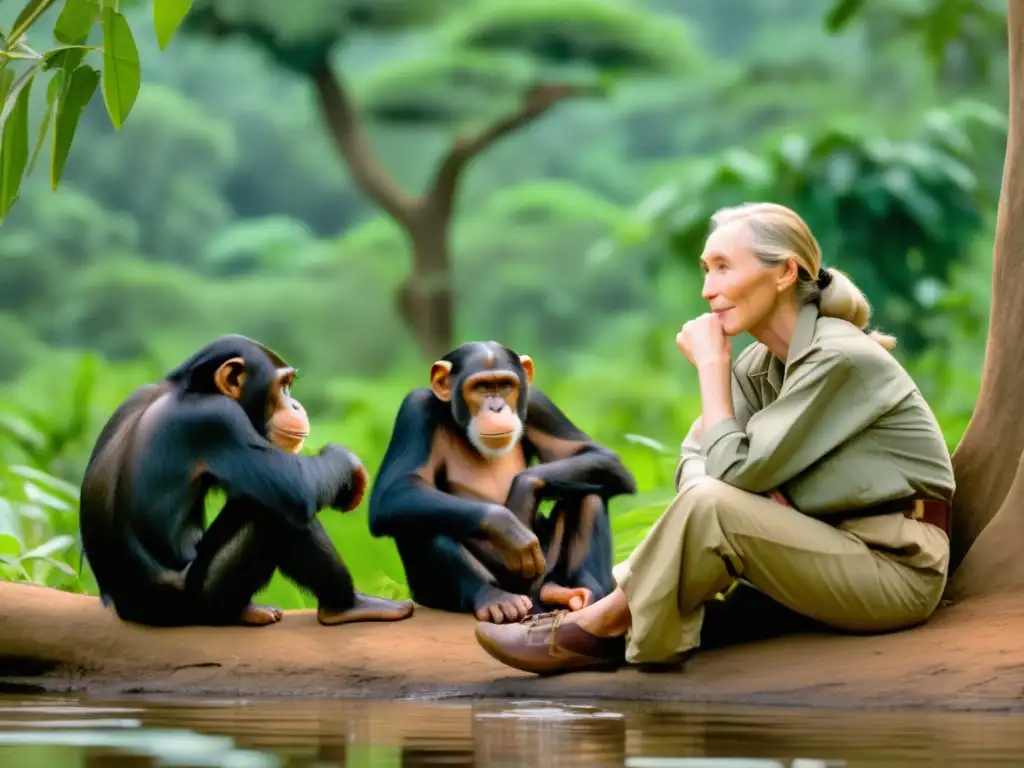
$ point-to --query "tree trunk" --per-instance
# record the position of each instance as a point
(988, 516)
(426, 300)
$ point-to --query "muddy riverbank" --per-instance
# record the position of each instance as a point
(969, 657)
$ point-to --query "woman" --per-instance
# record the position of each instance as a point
(816, 471)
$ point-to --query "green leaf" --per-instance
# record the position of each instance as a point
(44, 126)
(122, 74)
(11, 569)
(14, 149)
(67, 57)
(6, 81)
(64, 568)
(75, 21)
(44, 500)
(167, 17)
(44, 478)
(50, 548)
(11, 543)
(29, 15)
(72, 102)
(841, 13)
(13, 92)
(19, 431)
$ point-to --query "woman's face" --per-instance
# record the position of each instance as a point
(742, 291)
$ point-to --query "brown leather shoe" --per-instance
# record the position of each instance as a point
(546, 645)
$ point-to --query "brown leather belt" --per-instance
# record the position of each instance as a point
(937, 512)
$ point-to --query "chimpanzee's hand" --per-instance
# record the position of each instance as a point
(523, 497)
(353, 478)
(517, 544)
(351, 496)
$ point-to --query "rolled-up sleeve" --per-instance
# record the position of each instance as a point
(692, 457)
(825, 400)
(691, 461)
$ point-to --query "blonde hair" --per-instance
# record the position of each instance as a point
(779, 233)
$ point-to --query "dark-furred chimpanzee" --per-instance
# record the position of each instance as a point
(458, 491)
(224, 418)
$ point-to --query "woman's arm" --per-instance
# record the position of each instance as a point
(691, 463)
(827, 398)
(715, 374)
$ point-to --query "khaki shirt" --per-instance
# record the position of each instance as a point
(839, 426)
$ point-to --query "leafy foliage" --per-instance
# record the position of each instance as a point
(220, 206)
(451, 89)
(38, 521)
(954, 34)
(38, 509)
(301, 35)
(602, 35)
(914, 205)
(73, 82)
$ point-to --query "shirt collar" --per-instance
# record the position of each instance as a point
(803, 335)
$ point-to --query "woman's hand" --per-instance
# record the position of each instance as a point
(704, 342)
(706, 346)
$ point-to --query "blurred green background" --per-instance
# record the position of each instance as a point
(361, 184)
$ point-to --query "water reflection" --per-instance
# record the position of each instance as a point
(66, 731)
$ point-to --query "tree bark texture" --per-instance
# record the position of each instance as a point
(988, 508)
(426, 299)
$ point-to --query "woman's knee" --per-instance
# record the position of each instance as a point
(707, 497)
(703, 490)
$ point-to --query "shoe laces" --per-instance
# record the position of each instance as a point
(537, 618)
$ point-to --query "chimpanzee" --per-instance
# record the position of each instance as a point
(458, 493)
(224, 418)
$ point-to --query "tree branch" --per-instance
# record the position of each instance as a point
(462, 151)
(354, 145)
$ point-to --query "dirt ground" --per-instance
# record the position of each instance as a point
(970, 657)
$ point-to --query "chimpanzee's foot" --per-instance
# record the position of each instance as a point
(367, 608)
(573, 598)
(499, 607)
(260, 615)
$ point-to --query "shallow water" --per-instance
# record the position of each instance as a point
(66, 731)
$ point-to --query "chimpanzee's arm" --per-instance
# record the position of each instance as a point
(244, 463)
(571, 463)
(404, 501)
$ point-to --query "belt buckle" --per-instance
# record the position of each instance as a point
(917, 513)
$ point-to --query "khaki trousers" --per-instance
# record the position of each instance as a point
(889, 575)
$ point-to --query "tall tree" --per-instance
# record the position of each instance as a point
(496, 67)
(988, 531)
